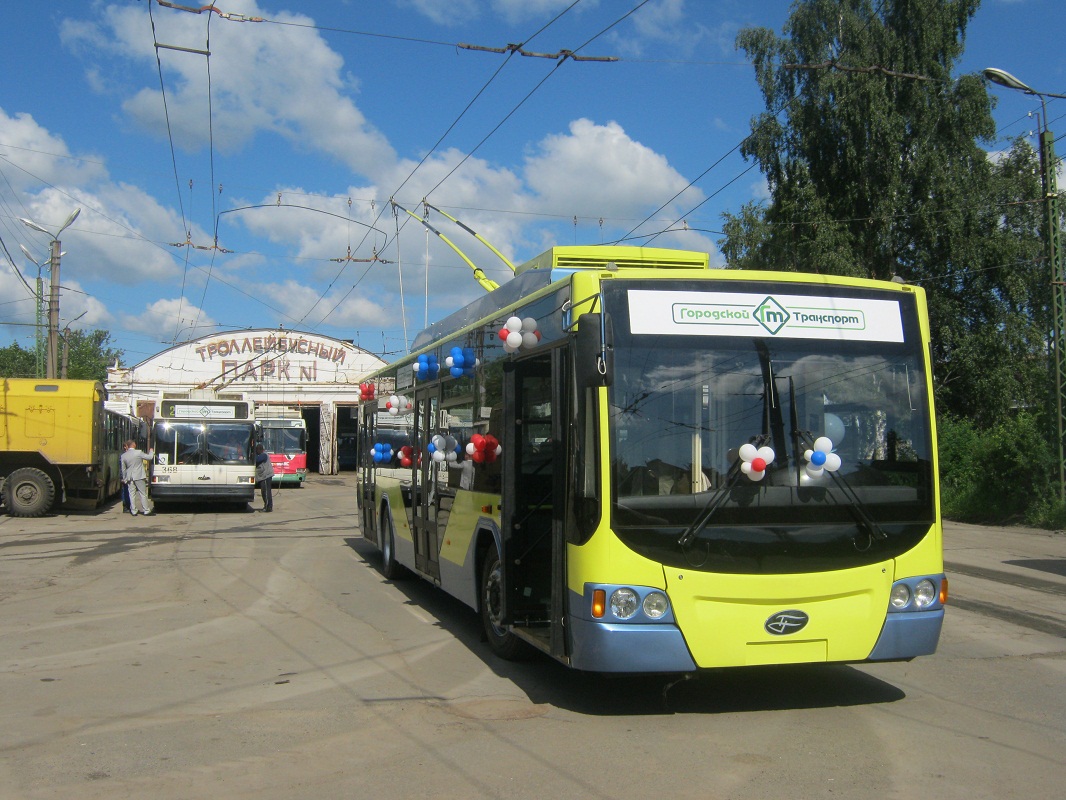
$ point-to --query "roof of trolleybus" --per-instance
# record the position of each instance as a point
(830, 378)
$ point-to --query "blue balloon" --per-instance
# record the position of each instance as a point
(818, 458)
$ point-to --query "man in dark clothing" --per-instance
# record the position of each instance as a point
(264, 477)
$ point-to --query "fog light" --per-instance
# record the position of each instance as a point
(624, 603)
(924, 593)
(901, 595)
(655, 605)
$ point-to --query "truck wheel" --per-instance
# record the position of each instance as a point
(28, 492)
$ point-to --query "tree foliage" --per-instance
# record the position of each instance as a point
(872, 153)
(88, 355)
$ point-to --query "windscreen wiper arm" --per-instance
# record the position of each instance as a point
(717, 499)
(857, 507)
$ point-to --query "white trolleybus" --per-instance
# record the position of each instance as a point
(204, 448)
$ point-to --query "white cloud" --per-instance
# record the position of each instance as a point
(170, 319)
(31, 155)
(280, 79)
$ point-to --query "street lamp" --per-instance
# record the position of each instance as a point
(40, 311)
(53, 294)
(1054, 254)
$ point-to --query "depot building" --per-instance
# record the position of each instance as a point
(276, 368)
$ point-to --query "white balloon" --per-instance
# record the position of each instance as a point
(470, 448)
(508, 349)
(394, 411)
(824, 444)
(807, 454)
(529, 340)
(832, 462)
(499, 449)
(529, 324)
(766, 454)
(757, 476)
(452, 456)
(514, 339)
(513, 324)
(834, 428)
(747, 452)
(449, 361)
(745, 467)
(814, 472)
(438, 441)
(438, 455)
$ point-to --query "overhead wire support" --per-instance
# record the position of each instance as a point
(210, 8)
(487, 283)
(517, 48)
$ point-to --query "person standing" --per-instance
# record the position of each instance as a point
(264, 477)
(134, 475)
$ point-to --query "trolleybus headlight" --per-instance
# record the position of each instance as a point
(655, 605)
(624, 603)
(924, 593)
(901, 595)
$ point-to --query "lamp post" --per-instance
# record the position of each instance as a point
(1049, 183)
(53, 294)
(39, 339)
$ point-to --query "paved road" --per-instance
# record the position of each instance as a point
(225, 654)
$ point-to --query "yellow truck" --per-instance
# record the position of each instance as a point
(58, 444)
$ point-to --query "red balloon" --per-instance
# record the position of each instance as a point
(758, 464)
(478, 456)
(503, 334)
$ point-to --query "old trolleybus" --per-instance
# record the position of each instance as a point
(637, 464)
(283, 434)
(203, 444)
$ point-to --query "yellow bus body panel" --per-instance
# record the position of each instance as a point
(723, 616)
(59, 423)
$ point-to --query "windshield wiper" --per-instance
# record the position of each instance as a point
(857, 507)
(718, 498)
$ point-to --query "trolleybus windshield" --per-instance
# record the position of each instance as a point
(689, 392)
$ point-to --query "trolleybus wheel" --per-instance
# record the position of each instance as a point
(503, 643)
(28, 492)
(390, 567)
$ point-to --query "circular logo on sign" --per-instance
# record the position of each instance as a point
(785, 622)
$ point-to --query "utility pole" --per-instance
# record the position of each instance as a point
(52, 350)
(1049, 182)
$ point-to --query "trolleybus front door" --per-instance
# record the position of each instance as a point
(533, 491)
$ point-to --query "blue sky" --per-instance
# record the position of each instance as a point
(292, 136)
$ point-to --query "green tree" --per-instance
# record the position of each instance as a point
(870, 148)
(17, 362)
(89, 354)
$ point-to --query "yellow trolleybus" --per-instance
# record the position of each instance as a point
(634, 463)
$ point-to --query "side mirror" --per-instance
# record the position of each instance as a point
(594, 350)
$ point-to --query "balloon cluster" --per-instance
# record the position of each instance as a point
(754, 460)
(399, 404)
(407, 456)
(484, 449)
(517, 333)
(366, 391)
(426, 367)
(382, 453)
(821, 458)
(444, 448)
(462, 361)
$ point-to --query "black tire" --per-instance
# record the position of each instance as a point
(28, 492)
(390, 567)
(503, 643)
